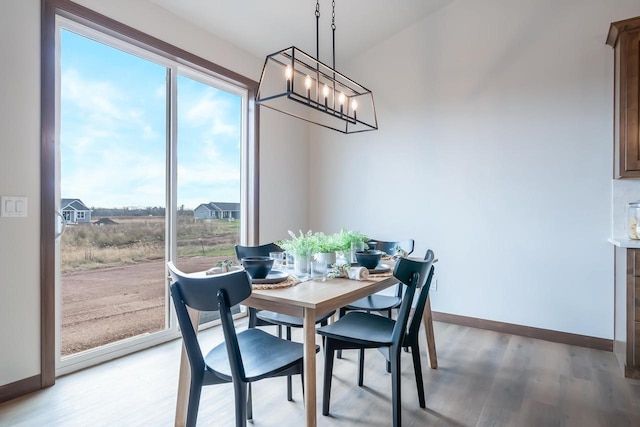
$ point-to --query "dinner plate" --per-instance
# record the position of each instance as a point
(275, 276)
(380, 268)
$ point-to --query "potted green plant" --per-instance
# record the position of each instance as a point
(325, 247)
(225, 265)
(345, 238)
(349, 241)
(301, 247)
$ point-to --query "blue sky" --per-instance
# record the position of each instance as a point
(113, 126)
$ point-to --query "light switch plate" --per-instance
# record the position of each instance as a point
(12, 206)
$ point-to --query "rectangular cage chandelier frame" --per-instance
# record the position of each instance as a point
(295, 83)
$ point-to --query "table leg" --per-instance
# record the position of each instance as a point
(184, 377)
(309, 330)
(427, 321)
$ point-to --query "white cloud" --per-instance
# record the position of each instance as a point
(114, 151)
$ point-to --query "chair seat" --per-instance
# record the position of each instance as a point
(286, 320)
(375, 303)
(262, 355)
(360, 328)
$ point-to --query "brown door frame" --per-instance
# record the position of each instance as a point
(50, 9)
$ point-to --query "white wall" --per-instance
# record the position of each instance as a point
(20, 176)
(283, 145)
(495, 150)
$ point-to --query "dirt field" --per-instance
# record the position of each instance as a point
(107, 305)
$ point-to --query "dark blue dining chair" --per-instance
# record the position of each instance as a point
(243, 357)
(377, 302)
(361, 330)
(270, 318)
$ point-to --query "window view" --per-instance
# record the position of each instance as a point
(113, 183)
(209, 163)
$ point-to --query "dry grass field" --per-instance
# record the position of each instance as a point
(113, 276)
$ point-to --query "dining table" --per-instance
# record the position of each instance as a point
(307, 299)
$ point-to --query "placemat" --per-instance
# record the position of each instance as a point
(387, 274)
(291, 281)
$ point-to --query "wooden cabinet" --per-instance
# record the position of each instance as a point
(624, 37)
(633, 314)
(629, 353)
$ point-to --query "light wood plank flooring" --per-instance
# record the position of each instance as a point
(484, 379)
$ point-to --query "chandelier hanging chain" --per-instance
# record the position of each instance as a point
(333, 28)
(318, 29)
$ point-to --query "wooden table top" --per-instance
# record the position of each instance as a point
(321, 296)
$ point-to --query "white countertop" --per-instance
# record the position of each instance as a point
(625, 242)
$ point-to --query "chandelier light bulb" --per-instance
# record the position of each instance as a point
(307, 84)
(325, 92)
(288, 72)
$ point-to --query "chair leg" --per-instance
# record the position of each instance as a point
(249, 403)
(195, 390)
(240, 391)
(302, 382)
(328, 373)
(361, 368)
(253, 320)
(395, 388)
(289, 387)
(341, 312)
(417, 368)
(279, 331)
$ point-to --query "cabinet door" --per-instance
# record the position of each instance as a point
(629, 95)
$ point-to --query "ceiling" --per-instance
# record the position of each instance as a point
(262, 27)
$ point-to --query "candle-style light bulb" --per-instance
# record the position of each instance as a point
(354, 106)
(288, 73)
(307, 84)
(341, 99)
(325, 92)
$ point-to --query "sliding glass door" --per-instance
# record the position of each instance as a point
(151, 157)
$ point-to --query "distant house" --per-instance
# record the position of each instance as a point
(75, 212)
(217, 210)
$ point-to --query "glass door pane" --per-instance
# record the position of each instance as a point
(209, 150)
(112, 185)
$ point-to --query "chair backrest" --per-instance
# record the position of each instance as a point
(391, 247)
(262, 250)
(416, 320)
(200, 292)
(203, 293)
(413, 274)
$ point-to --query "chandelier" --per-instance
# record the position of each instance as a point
(295, 83)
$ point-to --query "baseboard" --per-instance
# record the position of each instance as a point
(19, 388)
(526, 331)
(632, 372)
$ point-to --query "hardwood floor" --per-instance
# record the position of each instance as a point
(484, 378)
